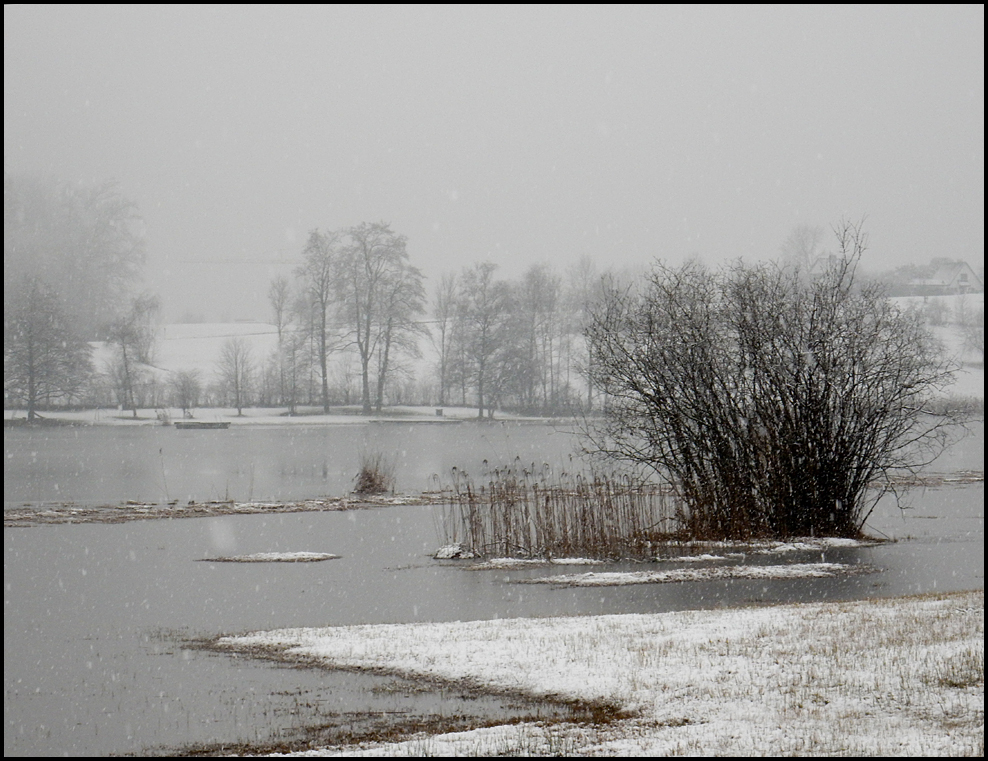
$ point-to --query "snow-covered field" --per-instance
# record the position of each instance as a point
(880, 677)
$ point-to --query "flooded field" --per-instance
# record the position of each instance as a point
(100, 464)
(101, 621)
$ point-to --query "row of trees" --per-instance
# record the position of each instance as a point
(354, 289)
(497, 342)
(516, 343)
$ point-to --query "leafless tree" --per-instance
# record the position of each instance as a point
(319, 273)
(85, 241)
(485, 312)
(402, 301)
(774, 405)
(442, 336)
(236, 371)
(802, 247)
(44, 360)
(186, 390)
(379, 294)
(582, 292)
(279, 296)
(132, 334)
(974, 333)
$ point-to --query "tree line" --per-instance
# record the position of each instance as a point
(352, 321)
(357, 314)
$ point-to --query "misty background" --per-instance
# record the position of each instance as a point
(505, 134)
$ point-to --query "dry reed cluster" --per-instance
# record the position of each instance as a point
(376, 475)
(519, 511)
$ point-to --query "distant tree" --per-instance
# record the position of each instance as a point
(85, 241)
(485, 314)
(319, 275)
(379, 294)
(44, 360)
(443, 335)
(583, 291)
(297, 352)
(539, 321)
(974, 332)
(186, 390)
(236, 371)
(279, 295)
(802, 247)
(132, 334)
(936, 311)
(773, 405)
(402, 301)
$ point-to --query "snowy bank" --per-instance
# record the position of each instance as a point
(898, 676)
(622, 578)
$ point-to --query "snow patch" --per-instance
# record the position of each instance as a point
(275, 557)
(614, 579)
(507, 563)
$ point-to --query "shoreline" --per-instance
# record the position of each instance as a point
(656, 680)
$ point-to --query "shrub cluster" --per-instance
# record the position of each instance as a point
(775, 402)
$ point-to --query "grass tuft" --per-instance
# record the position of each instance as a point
(376, 476)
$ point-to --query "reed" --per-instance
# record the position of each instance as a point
(376, 475)
(529, 511)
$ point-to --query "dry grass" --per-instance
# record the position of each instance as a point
(519, 511)
(376, 476)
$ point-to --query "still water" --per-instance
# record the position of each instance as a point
(99, 465)
(94, 615)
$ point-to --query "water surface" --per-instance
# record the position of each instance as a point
(95, 615)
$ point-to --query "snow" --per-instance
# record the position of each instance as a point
(452, 552)
(736, 549)
(881, 677)
(503, 563)
(616, 578)
(276, 557)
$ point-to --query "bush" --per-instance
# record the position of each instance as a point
(773, 403)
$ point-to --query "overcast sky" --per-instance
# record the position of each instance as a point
(510, 134)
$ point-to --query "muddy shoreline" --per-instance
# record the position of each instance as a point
(50, 514)
(350, 728)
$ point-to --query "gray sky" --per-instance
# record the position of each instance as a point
(512, 134)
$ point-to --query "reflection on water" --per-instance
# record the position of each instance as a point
(91, 663)
(99, 465)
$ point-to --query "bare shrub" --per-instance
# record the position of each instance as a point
(773, 403)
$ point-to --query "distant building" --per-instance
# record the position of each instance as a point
(949, 279)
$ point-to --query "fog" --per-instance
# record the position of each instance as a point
(515, 135)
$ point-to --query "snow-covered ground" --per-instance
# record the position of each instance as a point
(624, 578)
(268, 416)
(878, 677)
